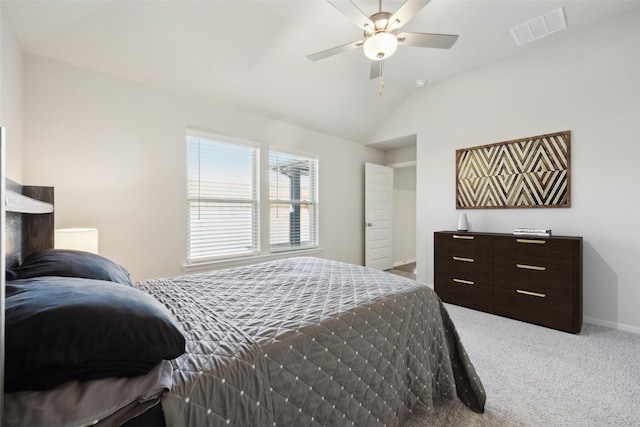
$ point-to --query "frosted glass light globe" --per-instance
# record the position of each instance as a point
(380, 46)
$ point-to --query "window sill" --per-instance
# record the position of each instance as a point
(235, 262)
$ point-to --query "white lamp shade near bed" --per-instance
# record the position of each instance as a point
(79, 239)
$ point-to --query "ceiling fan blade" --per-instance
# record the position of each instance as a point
(439, 41)
(376, 69)
(408, 10)
(351, 11)
(335, 50)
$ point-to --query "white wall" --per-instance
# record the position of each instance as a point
(588, 83)
(400, 155)
(115, 151)
(11, 95)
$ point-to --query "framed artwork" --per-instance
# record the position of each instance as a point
(530, 172)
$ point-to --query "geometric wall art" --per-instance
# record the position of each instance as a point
(530, 172)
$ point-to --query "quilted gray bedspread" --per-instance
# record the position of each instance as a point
(310, 342)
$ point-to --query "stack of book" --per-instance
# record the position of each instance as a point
(532, 232)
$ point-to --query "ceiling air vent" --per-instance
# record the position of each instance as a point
(535, 29)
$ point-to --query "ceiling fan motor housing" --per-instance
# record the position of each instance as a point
(381, 22)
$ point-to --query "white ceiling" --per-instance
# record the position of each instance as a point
(252, 54)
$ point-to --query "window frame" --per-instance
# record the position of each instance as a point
(312, 202)
(254, 201)
(264, 250)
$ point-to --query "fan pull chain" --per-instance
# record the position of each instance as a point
(381, 79)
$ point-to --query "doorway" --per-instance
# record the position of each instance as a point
(401, 155)
(404, 217)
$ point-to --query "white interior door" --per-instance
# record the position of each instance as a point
(378, 222)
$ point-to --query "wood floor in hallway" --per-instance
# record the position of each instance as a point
(406, 270)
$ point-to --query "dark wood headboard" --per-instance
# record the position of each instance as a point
(28, 233)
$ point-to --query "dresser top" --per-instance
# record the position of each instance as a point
(477, 233)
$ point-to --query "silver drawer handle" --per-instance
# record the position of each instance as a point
(465, 282)
(531, 267)
(533, 294)
(457, 236)
(459, 258)
(536, 241)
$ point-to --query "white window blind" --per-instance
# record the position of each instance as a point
(223, 188)
(293, 201)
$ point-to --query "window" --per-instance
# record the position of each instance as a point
(223, 198)
(292, 201)
(224, 204)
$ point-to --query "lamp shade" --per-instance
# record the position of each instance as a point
(79, 239)
(380, 46)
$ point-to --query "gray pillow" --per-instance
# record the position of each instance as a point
(69, 263)
(61, 329)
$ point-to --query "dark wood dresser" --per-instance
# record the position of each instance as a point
(536, 280)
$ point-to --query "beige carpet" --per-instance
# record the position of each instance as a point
(536, 376)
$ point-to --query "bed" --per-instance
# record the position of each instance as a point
(300, 341)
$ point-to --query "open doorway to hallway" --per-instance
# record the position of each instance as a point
(404, 216)
(401, 155)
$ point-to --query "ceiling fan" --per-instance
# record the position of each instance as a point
(380, 38)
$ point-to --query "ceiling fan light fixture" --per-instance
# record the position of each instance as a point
(380, 46)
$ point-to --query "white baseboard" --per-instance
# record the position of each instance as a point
(612, 325)
(408, 261)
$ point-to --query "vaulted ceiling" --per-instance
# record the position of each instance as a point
(253, 54)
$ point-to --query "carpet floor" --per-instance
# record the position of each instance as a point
(536, 376)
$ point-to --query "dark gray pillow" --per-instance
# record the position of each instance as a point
(60, 329)
(69, 263)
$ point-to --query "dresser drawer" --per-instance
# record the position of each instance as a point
(477, 296)
(554, 309)
(512, 275)
(550, 253)
(465, 268)
(464, 245)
